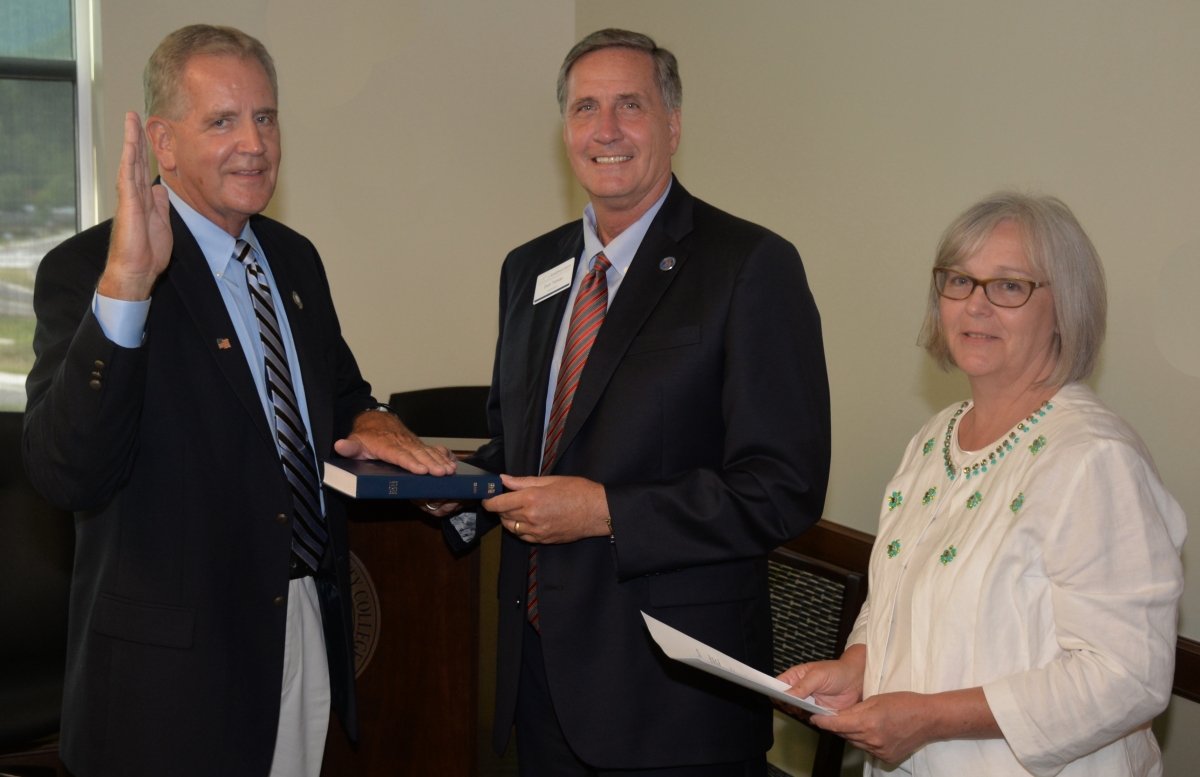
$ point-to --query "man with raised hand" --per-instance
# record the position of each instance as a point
(190, 376)
(660, 406)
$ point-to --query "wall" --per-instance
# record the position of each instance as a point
(858, 130)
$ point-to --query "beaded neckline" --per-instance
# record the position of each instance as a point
(1005, 446)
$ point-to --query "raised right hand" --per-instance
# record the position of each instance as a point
(141, 242)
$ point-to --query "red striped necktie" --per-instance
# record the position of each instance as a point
(591, 304)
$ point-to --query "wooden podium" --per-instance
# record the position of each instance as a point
(417, 643)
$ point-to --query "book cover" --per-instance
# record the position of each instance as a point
(370, 479)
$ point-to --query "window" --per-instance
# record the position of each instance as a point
(46, 195)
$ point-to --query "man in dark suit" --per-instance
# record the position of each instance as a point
(190, 373)
(660, 406)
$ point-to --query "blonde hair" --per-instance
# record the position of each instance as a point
(1061, 254)
(164, 72)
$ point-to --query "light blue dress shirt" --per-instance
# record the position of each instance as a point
(620, 253)
(124, 322)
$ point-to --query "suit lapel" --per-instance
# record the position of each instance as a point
(640, 291)
(189, 274)
(317, 392)
(543, 334)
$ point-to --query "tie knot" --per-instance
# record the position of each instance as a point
(601, 264)
(243, 252)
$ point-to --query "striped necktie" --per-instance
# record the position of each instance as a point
(591, 304)
(299, 464)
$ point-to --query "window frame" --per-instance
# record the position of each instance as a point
(81, 73)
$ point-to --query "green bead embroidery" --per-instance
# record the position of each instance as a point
(973, 500)
(893, 548)
(991, 460)
(1017, 503)
(928, 447)
(1037, 445)
(929, 495)
(895, 500)
(948, 555)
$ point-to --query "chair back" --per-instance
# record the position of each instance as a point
(814, 604)
(449, 411)
(813, 607)
(37, 548)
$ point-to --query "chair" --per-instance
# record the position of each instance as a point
(450, 411)
(813, 607)
(37, 548)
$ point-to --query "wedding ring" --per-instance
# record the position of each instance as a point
(517, 528)
(431, 508)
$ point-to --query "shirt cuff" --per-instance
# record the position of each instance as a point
(1029, 743)
(464, 524)
(122, 321)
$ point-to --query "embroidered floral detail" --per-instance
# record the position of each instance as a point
(1037, 445)
(928, 447)
(973, 500)
(951, 470)
(1017, 503)
(929, 495)
(893, 548)
(948, 555)
(895, 500)
(993, 457)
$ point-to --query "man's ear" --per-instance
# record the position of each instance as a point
(162, 142)
(675, 124)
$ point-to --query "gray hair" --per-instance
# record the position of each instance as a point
(1060, 253)
(164, 72)
(666, 68)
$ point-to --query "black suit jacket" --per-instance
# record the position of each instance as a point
(183, 513)
(704, 410)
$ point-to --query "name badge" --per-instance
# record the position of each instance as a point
(553, 281)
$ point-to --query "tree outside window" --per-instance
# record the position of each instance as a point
(39, 170)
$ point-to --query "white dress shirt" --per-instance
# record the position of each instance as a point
(1052, 580)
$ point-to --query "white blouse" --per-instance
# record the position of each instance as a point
(1055, 587)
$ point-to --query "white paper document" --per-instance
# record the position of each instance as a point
(681, 647)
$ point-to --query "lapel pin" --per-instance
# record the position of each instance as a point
(296, 299)
(223, 343)
(667, 263)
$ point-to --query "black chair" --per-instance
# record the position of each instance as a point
(451, 411)
(37, 548)
(813, 608)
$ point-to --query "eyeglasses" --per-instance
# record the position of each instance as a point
(1001, 292)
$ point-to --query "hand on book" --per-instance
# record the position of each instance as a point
(382, 436)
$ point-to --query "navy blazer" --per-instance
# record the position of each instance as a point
(704, 410)
(183, 513)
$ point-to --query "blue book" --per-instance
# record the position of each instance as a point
(370, 479)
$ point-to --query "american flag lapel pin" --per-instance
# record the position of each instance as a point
(223, 343)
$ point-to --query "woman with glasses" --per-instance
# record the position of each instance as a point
(1026, 575)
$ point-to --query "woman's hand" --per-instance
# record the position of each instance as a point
(893, 726)
(833, 684)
